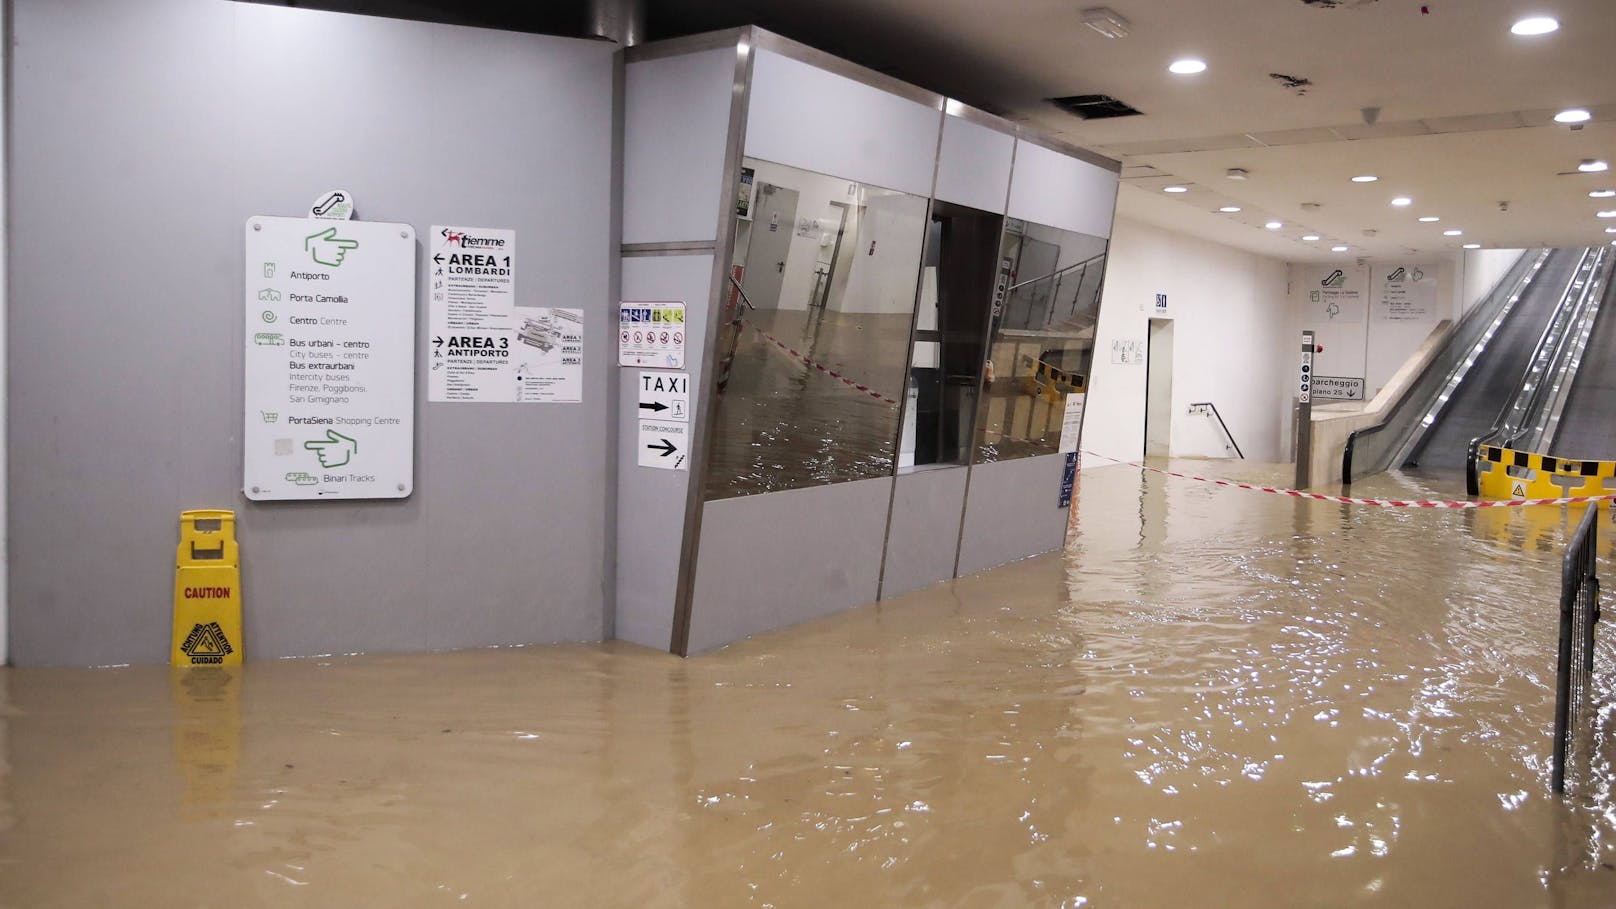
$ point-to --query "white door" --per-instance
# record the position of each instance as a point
(1159, 389)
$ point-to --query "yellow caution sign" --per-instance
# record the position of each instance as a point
(207, 591)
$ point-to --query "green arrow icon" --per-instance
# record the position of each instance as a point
(327, 248)
(335, 450)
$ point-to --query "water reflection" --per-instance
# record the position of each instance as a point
(1042, 338)
(815, 333)
(1215, 698)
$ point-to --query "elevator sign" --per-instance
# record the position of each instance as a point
(651, 334)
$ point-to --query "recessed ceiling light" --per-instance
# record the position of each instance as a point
(1430, 219)
(1310, 237)
(1365, 178)
(1472, 246)
(1229, 209)
(1176, 189)
(1453, 233)
(1592, 166)
(1610, 230)
(1188, 66)
(1535, 25)
(1338, 249)
(1573, 115)
(1602, 194)
(1274, 225)
(1608, 213)
(1402, 201)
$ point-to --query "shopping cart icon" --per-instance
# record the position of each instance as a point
(270, 416)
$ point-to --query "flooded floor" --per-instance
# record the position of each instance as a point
(1213, 698)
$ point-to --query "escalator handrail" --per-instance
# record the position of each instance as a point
(1549, 395)
(1520, 397)
(1490, 312)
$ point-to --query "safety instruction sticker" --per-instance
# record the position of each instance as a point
(483, 346)
(651, 334)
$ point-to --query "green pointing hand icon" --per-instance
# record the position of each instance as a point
(334, 450)
(327, 248)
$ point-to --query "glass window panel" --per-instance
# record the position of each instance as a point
(945, 374)
(814, 332)
(1041, 346)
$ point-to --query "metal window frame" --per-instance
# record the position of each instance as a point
(747, 41)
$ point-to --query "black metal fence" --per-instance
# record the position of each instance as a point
(1579, 614)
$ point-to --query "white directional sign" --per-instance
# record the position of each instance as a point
(664, 444)
(665, 396)
(330, 360)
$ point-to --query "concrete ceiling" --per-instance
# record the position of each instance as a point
(1465, 107)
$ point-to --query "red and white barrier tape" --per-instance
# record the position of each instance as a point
(809, 361)
(1348, 500)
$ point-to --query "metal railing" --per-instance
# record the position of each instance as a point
(1579, 614)
(1209, 407)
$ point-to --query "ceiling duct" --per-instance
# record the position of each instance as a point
(1095, 107)
(1334, 4)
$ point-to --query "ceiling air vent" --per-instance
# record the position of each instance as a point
(1094, 107)
(1332, 4)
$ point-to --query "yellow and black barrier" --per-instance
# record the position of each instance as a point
(207, 591)
(1049, 383)
(1503, 473)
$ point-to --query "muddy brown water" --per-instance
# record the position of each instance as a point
(1212, 698)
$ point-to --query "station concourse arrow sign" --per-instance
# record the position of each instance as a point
(663, 444)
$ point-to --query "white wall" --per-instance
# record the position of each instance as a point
(1484, 268)
(1372, 347)
(1232, 345)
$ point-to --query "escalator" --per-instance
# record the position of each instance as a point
(1494, 378)
(1587, 428)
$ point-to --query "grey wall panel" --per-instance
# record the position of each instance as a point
(973, 165)
(807, 117)
(143, 136)
(924, 531)
(773, 560)
(651, 502)
(676, 117)
(1061, 191)
(1011, 512)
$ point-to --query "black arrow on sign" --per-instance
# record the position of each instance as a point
(438, 258)
(437, 342)
(655, 406)
(667, 448)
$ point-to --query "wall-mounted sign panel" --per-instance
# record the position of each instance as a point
(1335, 296)
(651, 334)
(483, 347)
(1339, 388)
(1406, 293)
(330, 360)
(664, 444)
(1072, 422)
(665, 396)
